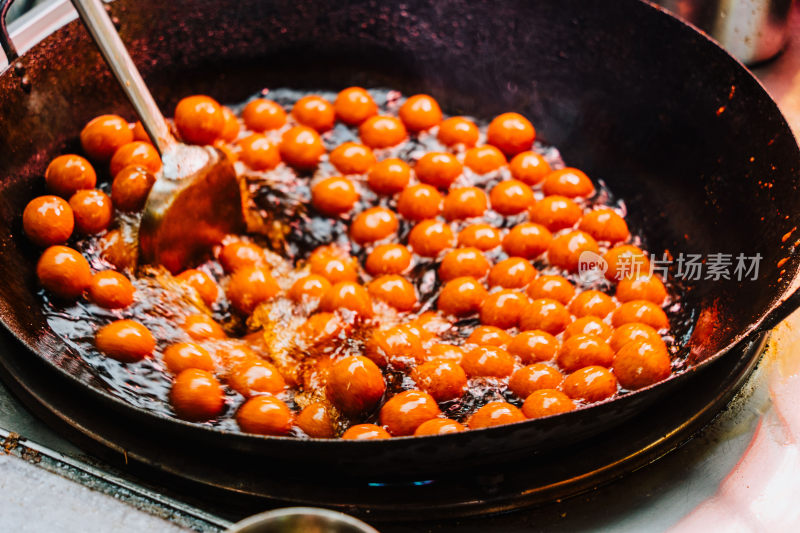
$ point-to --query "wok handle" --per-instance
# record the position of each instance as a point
(781, 312)
(5, 39)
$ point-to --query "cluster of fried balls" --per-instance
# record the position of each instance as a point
(553, 345)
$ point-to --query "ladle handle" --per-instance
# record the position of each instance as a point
(102, 30)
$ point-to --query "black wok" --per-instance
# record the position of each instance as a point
(675, 126)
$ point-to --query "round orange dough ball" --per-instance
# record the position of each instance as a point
(527, 240)
(551, 286)
(605, 225)
(333, 264)
(240, 254)
(529, 167)
(489, 336)
(590, 384)
(48, 220)
(641, 288)
(388, 259)
(381, 131)
(512, 273)
(464, 202)
(261, 115)
(569, 182)
(67, 174)
(234, 354)
(488, 361)
(484, 159)
(443, 380)
(592, 303)
(446, 352)
(229, 131)
(461, 296)
(111, 290)
(394, 345)
(352, 158)
(511, 133)
(196, 395)
(322, 328)
(92, 210)
(632, 331)
(183, 355)
(641, 363)
(334, 196)
(510, 197)
(373, 224)
(258, 152)
(430, 324)
(531, 378)
(430, 237)
(625, 261)
(546, 402)
(130, 188)
(579, 351)
(365, 432)
(503, 309)
(588, 325)
(403, 413)
(315, 112)
(354, 105)
(63, 272)
(439, 169)
(250, 286)
(139, 133)
(347, 295)
(199, 119)
(136, 153)
(458, 130)
(495, 414)
(355, 385)
(103, 135)
(534, 346)
(265, 415)
(420, 112)
(642, 311)
(555, 212)
(394, 290)
(545, 314)
(312, 287)
(419, 202)
(481, 236)
(438, 426)
(565, 250)
(389, 176)
(315, 422)
(301, 147)
(257, 377)
(202, 283)
(201, 327)
(463, 262)
(125, 340)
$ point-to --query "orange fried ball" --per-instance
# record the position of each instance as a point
(233, 355)
(240, 254)
(555, 212)
(545, 314)
(565, 250)
(381, 131)
(333, 264)
(315, 112)
(430, 324)
(322, 328)
(365, 432)
(461, 296)
(183, 355)
(258, 152)
(495, 414)
(352, 158)
(484, 159)
(641, 288)
(641, 363)
(125, 340)
(64, 272)
(388, 259)
(354, 105)
(389, 176)
(199, 119)
(315, 422)
(48, 220)
(464, 202)
(196, 395)
(261, 115)
(529, 379)
(439, 169)
(301, 147)
(579, 351)
(103, 135)
(393, 345)
(489, 336)
(373, 224)
(458, 130)
(511, 133)
(546, 402)
(592, 303)
(549, 286)
(430, 237)
(588, 325)
(139, 133)
(626, 261)
(446, 352)
(481, 236)
(137, 153)
(334, 196)
(130, 188)
(202, 283)
(590, 384)
(438, 426)
(420, 112)
(250, 379)
(512, 273)
(403, 413)
(229, 132)
(529, 168)
(632, 331)
(355, 385)
(488, 361)
(503, 309)
(92, 210)
(463, 262)
(642, 311)
(394, 290)
(347, 295)
(312, 287)
(250, 286)
(534, 346)
(569, 182)
(265, 415)
(201, 327)
(604, 225)
(67, 174)
(111, 290)
(419, 202)
(527, 240)
(442, 379)
(510, 197)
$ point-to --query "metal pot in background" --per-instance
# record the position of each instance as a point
(751, 30)
(301, 520)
